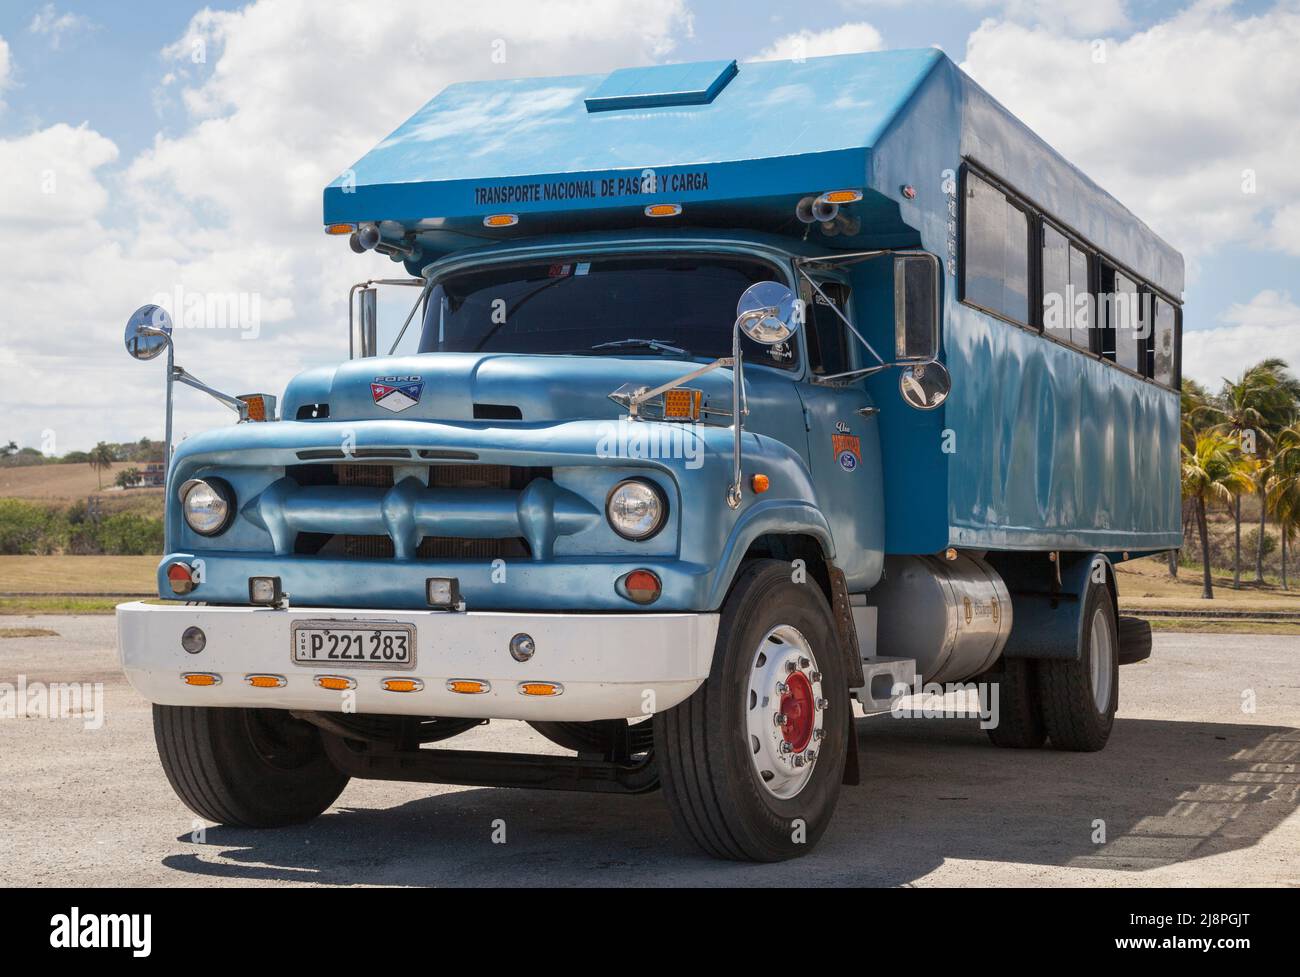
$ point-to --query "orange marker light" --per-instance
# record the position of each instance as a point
(402, 685)
(760, 483)
(842, 196)
(201, 678)
(663, 210)
(540, 688)
(501, 220)
(682, 404)
(467, 686)
(336, 683)
(340, 228)
(265, 681)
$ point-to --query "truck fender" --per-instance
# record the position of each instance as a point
(1047, 600)
(779, 517)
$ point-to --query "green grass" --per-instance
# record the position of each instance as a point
(58, 605)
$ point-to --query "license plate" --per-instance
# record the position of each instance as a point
(355, 644)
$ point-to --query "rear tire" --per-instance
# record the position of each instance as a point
(1079, 697)
(248, 768)
(1019, 719)
(729, 785)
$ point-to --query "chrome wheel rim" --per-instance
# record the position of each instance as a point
(784, 712)
(1101, 653)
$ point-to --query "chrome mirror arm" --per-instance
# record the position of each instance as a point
(181, 375)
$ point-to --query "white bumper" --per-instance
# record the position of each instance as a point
(610, 666)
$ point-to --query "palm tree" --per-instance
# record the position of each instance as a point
(1281, 412)
(101, 459)
(1196, 413)
(1213, 471)
(1283, 487)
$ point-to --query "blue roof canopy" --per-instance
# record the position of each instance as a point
(734, 145)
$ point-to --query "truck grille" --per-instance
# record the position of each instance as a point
(381, 547)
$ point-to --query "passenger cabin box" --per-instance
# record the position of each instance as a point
(1041, 446)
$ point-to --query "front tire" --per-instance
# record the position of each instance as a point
(248, 768)
(737, 783)
(1079, 697)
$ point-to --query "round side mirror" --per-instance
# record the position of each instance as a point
(147, 331)
(765, 313)
(925, 385)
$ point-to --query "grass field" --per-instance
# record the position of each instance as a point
(64, 484)
(1146, 585)
(78, 574)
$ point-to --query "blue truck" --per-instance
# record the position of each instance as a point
(733, 400)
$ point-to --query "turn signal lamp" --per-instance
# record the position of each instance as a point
(180, 578)
(201, 678)
(663, 210)
(501, 220)
(266, 681)
(402, 685)
(642, 587)
(760, 484)
(682, 404)
(468, 686)
(340, 228)
(260, 407)
(541, 688)
(841, 196)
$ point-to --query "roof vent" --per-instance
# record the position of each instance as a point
(658, 85)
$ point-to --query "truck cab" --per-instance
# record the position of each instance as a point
(679, 462)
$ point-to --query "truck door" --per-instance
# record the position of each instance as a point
(843, 436)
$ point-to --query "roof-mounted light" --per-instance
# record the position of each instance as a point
(501, 220)
(340, 228)
(841, 196)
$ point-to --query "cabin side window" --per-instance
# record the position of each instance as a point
(1126, 324)
(1164, 342)
(1067, 301)
(827, 347)
(995, 252)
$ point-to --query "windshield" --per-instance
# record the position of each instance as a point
(663, 304)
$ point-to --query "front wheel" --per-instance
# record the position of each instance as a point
(751, 763)
(250, 768)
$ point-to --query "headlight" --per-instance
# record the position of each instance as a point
(636, 509)
(207, 506)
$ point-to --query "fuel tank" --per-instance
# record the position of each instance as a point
(951, 616)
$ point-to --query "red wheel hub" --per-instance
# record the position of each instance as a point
(799, 709)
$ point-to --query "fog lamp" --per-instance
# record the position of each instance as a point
(264, 591)
(442, 593)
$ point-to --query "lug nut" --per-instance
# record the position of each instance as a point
(798, 760)
(819, 733)
(786, 747)
(804, 663)
(823, 705)
(781, 688)
(780, 719)
(790, 666)
(810, 755)
(814, 676)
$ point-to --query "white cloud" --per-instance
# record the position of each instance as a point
(1267, 325)
(1076, 16)
(1176, 120)
(54, 26)
(845, 39)
(284, 95)
(6, 67)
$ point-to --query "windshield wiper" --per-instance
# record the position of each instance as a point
(655, 344)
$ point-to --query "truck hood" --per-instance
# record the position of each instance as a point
(487, 386)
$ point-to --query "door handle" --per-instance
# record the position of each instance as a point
(868, 411)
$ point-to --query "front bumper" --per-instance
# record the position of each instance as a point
(611, 666)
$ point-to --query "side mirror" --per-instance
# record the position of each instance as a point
(148, 331)
(924, 385)
(916, 307)
(766, 313)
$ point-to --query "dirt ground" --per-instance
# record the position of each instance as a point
(1193, 790)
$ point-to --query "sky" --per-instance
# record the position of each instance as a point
(158, 148)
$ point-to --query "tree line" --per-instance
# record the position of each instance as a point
(1242, 440)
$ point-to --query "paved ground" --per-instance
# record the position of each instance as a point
(1193, 790)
